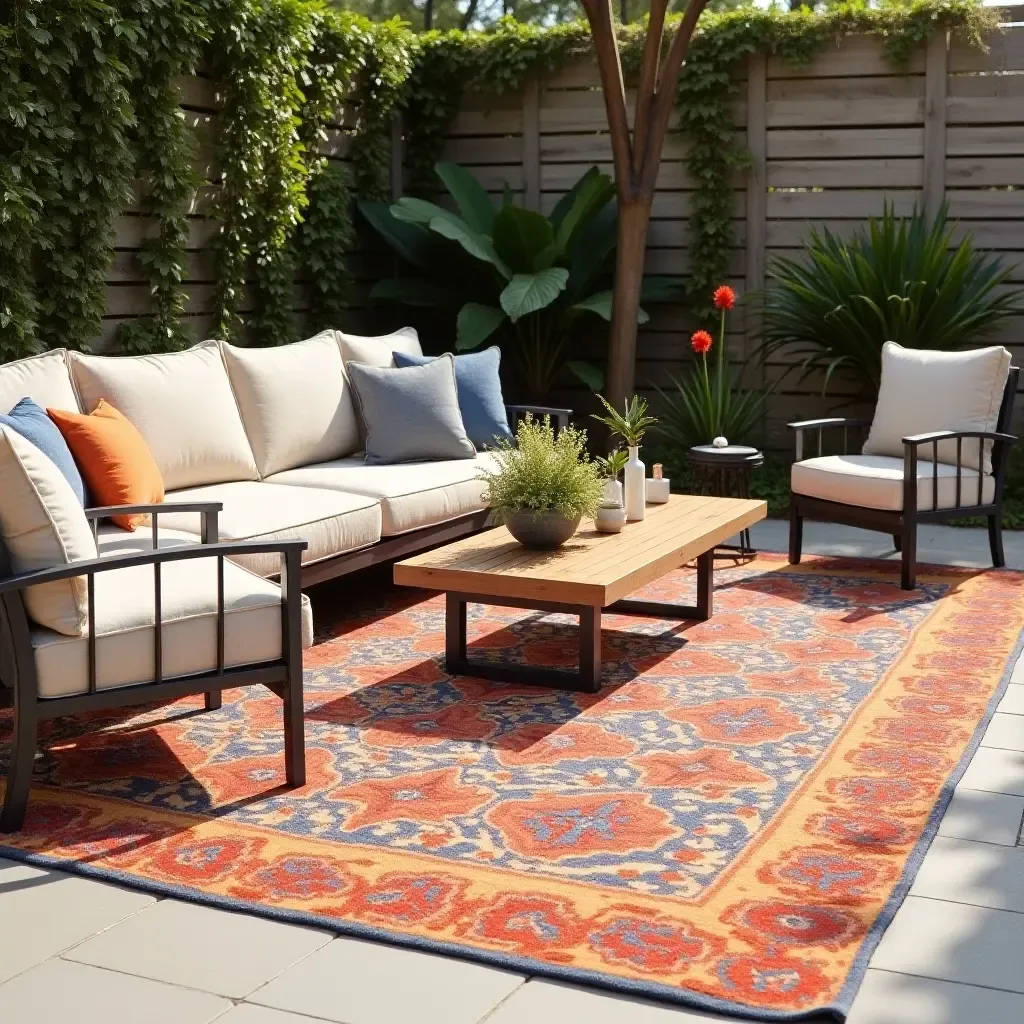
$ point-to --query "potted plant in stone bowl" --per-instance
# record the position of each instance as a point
(544, 484)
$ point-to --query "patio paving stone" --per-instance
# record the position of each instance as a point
(1005, 732)
(43, 912)
(996, 771)
(249, 1013)
(550, 1002)
(215, 950)
(887, 998)
(954, 942)
(357, 982)
(61, 992)
(983, 817)
(981, 874)
(1013, 700)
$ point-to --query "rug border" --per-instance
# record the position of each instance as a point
(838, 1010)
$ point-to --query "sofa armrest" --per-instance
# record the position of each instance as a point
(208, 510)
(830, 422)
(559, 417)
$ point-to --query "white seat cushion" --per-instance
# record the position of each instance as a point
(125, 637)
(924, 391)
(412, 494)
(182, 405)
(45, 379)
(378, 351)
(112, 540)
(876, 481)
(330, 522)
(43, 527)
(295, 401)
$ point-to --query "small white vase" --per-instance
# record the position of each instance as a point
(610, 519)
(636, 486)
(612, 491)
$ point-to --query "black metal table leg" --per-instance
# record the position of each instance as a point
(667, 610)
(457, 662)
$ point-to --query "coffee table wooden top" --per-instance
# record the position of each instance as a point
(592, 568)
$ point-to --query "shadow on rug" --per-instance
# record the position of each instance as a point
(729, 824)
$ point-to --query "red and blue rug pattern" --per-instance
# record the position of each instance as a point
(730, 823)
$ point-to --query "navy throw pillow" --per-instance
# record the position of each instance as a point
(479, 390)
(31, 421)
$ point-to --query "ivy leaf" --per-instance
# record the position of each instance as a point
(526, 293)
(473, 201)
(475, 324)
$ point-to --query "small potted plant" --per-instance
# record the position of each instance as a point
(631, 424)
(611, 467)
(544, 484)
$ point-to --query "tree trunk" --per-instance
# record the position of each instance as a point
(428, 15)
(634, 219)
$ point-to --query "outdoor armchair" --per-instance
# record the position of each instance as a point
(175, 620)
(934, 475)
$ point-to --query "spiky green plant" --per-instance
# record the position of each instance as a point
(631, 424)
(899, 279)
(613, 465)
(542, 472)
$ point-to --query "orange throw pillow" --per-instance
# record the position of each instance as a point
(116, 462)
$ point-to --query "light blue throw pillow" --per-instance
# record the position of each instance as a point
(479, 388)
(411, 413)
(31, 421)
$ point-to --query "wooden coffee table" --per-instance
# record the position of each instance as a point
(592, 572)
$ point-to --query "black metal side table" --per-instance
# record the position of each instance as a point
(725, 473)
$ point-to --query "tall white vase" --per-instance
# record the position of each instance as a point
(636, 486)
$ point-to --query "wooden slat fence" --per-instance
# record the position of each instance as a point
(830, 143)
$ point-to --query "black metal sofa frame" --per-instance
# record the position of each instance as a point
(903, 524)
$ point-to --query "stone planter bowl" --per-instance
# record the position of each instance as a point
(542, 530)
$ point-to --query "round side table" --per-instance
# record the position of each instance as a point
(725, 473)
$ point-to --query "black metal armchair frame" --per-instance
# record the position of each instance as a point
(19, 686)
(903, 524)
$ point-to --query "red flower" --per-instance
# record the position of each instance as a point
(700, 341)
(724, 297)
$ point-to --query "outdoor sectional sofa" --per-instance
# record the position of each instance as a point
(267, 491)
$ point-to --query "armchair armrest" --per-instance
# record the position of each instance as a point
(559, 417)
(291, 593)
(208, 510)
(846, 422)
(935, 436)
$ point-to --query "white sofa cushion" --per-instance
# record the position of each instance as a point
(44, 526)
(924, 391)
(183, 406)
(295, 401)
(45, 379)
(378, 351)
(876, 481)
(412, 495)
(125, 636)
(332, 523)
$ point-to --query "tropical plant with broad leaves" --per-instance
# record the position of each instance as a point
(512, 275)
(902, 279)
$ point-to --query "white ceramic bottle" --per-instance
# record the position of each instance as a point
(636, 486)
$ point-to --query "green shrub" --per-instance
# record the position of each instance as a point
(899, 279)
(540, 472)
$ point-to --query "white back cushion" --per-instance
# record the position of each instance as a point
(45, 379)
(43, 527)
(183, 406)
(295, 401)
(378, 351)
(924, 391)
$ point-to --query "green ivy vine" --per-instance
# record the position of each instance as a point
(89, 104)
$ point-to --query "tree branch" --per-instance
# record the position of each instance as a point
(467, 18)
(664, 100)
(606, 47)
(648, 78)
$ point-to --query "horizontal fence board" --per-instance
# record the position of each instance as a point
(854, 56)
(842, 143)
(846, 173)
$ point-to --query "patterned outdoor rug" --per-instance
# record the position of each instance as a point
(730, 823)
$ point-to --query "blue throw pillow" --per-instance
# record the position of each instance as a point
(31, 421)
(479, 388)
